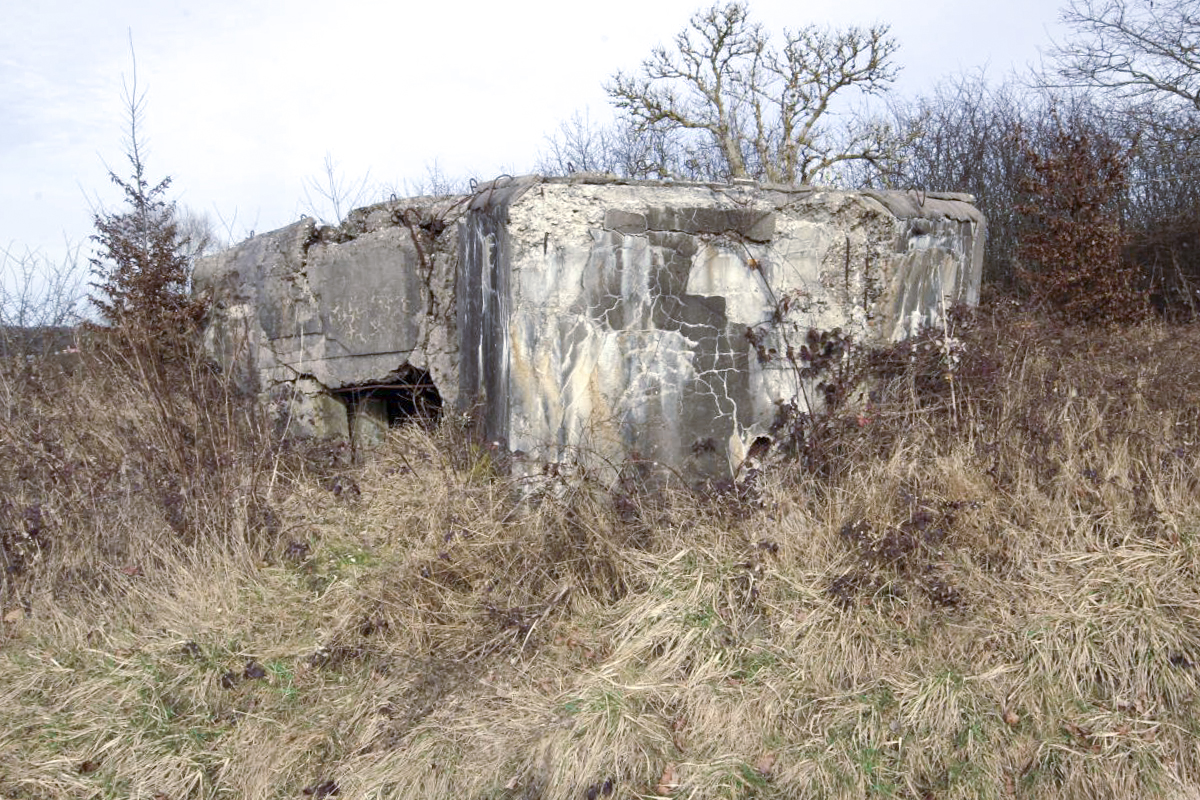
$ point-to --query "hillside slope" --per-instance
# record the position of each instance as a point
(984, 582)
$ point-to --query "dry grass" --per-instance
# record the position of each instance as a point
(982, 587)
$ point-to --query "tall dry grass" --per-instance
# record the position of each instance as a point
(981, 584)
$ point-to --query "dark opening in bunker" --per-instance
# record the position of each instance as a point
(406, 395)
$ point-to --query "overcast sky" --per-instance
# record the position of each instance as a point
(246, 97)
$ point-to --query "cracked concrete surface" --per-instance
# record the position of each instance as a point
(306, 310)
(589, 319)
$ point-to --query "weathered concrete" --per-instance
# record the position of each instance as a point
(589, 318)
(308, 310)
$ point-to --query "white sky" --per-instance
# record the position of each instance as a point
(246, 97)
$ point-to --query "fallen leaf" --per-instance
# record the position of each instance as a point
(1076, 730)
(16, 615)
(764, 764)
(131, 570)
(668, 783)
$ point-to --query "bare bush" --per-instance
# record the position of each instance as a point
(332, 195)
(436, 183)
(963, 138)
(41, 301)
(198, 233)
(173, 444)
(1072, 250)
(974, 136)
(625, 149)
(1162, 214)
(1143, 57)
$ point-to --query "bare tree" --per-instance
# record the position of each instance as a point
(436, 183)
(198, 233)
(40, 300)
(740, 106)
(581, 145)
(626, 149)
(1133, 49)
(332, 195)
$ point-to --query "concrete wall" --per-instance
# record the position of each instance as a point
(604, 320)
(590, 319)
(306, 310)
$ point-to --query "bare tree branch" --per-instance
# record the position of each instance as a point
(1132, 48)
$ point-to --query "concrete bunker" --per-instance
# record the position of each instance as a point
(588, 318)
